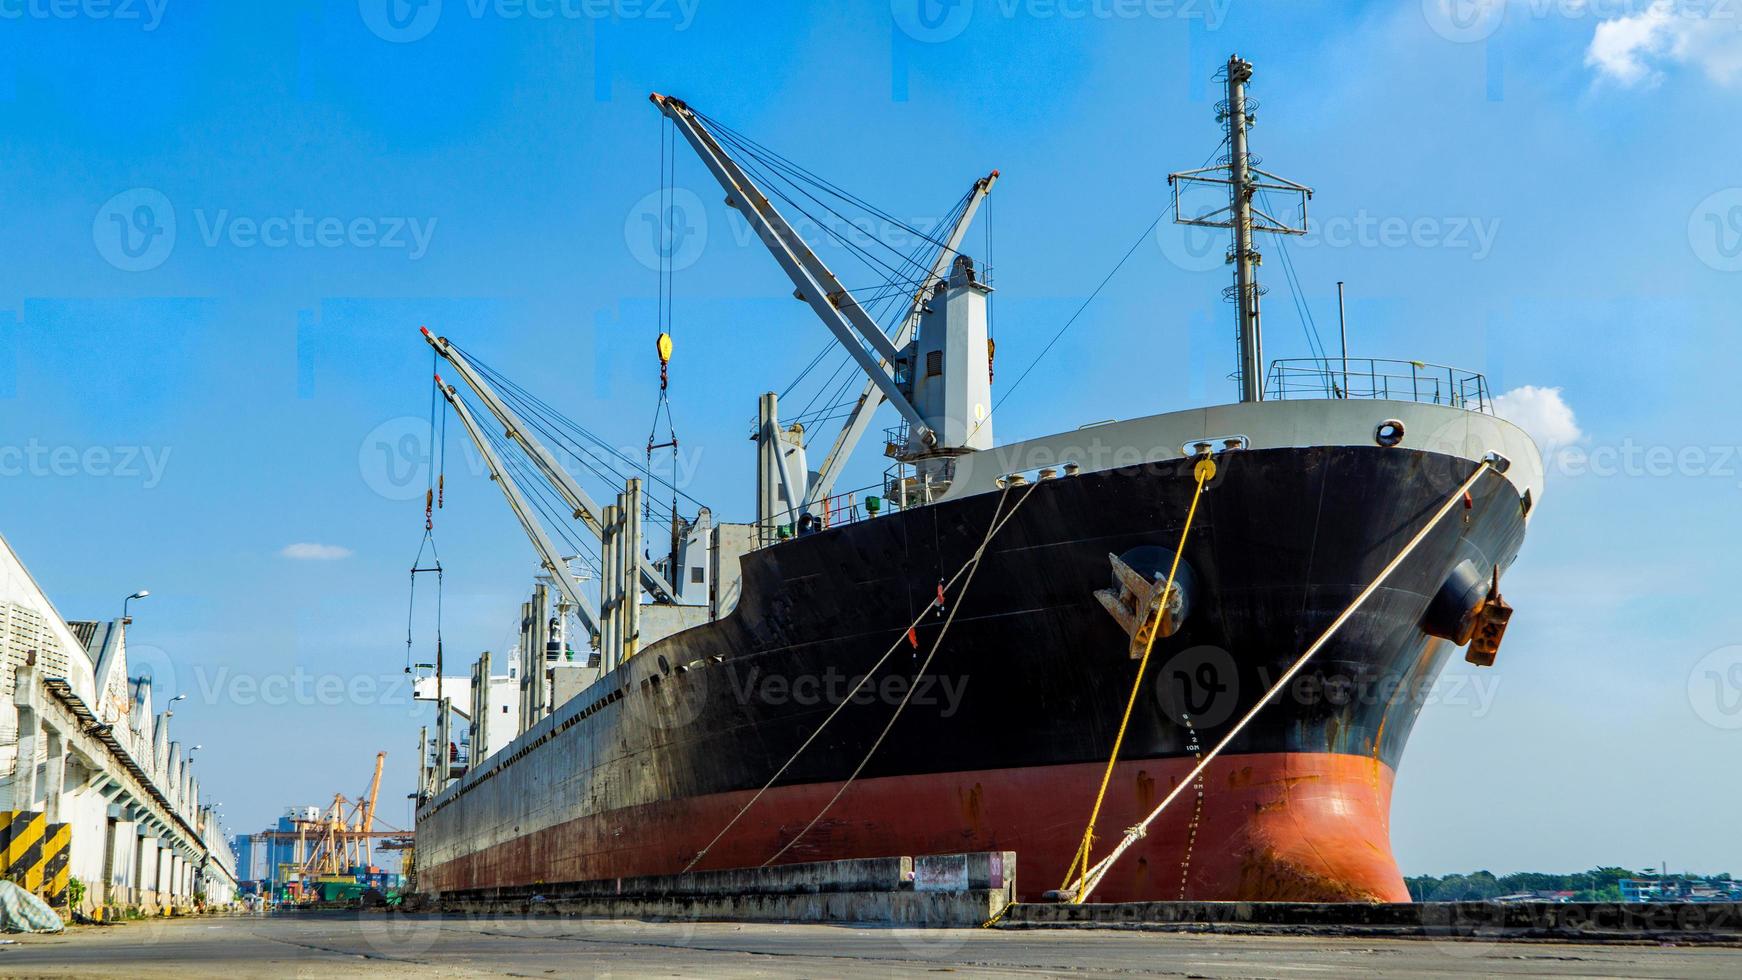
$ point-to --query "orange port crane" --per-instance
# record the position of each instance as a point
(343, 838)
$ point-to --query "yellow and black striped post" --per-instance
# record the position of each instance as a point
(56, 859)
(35, 853)
(21, 850)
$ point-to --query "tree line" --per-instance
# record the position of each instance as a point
(1595, 885)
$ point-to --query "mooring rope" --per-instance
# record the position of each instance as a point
(1092, 877)
(997, 525)
(973, 566)
(1205, 470)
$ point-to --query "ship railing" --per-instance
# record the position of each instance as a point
(1378, 378)
(835, 510)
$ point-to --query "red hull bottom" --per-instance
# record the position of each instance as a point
(1268, 827)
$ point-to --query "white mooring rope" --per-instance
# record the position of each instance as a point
(1086, 884)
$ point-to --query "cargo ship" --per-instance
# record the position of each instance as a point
(947, 665)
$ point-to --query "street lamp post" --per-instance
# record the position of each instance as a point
(142, 593)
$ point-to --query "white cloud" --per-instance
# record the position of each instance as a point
(1542, 414)
(1630, 49)
(309, 551)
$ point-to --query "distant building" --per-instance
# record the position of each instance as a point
(1679, 889)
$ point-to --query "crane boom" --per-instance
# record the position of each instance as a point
(547, 551)
(366, 822)
(832, 302)
(568, 488)
(871, 397)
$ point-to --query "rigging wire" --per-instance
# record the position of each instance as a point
(590, 450)
(1085, 305)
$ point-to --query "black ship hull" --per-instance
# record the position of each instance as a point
(1003, 742)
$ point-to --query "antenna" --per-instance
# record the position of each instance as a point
(1343, 329)
(1238, 172)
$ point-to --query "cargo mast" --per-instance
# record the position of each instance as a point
(1239, 172)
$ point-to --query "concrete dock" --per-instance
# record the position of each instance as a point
(374, 945)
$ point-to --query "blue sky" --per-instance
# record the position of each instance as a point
(1545, 191)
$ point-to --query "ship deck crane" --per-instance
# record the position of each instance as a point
(550, 557)
(573, 495)
(871, 396)
(833, 303)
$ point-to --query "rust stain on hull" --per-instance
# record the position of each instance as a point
(1273, 827)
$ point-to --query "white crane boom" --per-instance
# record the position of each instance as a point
(871, 397)
(567, 487)
(548, 554)
(833, 303)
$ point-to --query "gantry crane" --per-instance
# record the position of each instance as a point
(343, 837)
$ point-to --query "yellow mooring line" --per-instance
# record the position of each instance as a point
(1205, 470)
(1093, 874)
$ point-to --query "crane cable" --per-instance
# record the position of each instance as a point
(433, 496)
(666, 248)
(1205, 471)
(1091, 878)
